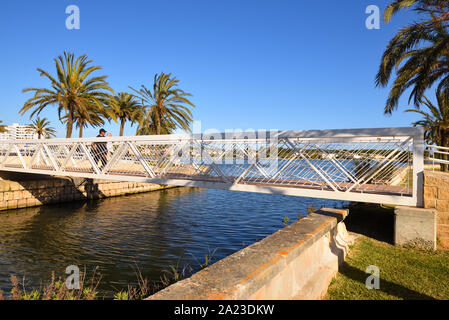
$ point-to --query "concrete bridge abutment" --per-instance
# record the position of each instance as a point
(415, 227)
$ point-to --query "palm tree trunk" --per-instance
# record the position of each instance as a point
(122, 126)
(444, 143)
(70, 124)
(81, 130)
(158, 124)
(69, 129)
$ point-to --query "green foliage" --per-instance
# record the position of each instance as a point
(74, 91)
(436, 122)
(41, 126)
(89, 294)
(122, 295)
(285, 221)
(172, 275)
(417, 54)
(85, 100)
(166, 108)
(395, 7)
(208, 258)
(59, 285)
(311, 209)
(57, 290)
(70, 296)
(124, 107)
(90, 116)
(2, 127)
(34, 295)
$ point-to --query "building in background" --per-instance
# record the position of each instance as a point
(18, 132)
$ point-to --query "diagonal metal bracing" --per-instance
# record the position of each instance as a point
(35, 156)
(69, 156)
(162, 156)
(210, 161)
(89, 157)
(253, 165)
(50, 155)
(338, 164)
(141, 159)
(117, 155)
(395, 152)
(341, 168)
(22, 161)
(173, 153)
(320, 173)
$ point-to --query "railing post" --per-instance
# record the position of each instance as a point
(418, 167)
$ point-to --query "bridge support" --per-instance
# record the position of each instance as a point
(415, 227)
(26, 190)
(436, 196)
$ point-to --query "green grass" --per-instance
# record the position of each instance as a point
(408, 179)
(404, 273)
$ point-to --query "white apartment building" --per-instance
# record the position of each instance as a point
(18, 132)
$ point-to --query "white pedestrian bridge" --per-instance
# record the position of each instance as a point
(369, 165)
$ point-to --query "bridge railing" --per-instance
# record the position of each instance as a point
(437, 154)
(371, 165)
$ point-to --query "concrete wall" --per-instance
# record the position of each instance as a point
(415, 227)
(436, 196)
(19, 191)
(297, 262)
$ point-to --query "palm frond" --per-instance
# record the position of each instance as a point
(77, 94)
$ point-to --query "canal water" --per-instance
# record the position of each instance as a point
(148, 232)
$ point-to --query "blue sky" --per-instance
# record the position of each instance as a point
(249, 63)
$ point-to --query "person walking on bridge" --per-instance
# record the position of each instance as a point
(100, 150)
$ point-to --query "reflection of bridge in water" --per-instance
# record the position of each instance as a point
(368, 165)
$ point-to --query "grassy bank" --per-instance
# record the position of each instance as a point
(404, 273)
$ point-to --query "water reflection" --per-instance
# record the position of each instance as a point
(151, 231)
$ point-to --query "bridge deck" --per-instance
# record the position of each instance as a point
(312, 185)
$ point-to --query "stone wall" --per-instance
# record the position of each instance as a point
(436, 196)
(297, 262)
(17, 191)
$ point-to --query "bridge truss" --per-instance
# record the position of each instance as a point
(369, 165)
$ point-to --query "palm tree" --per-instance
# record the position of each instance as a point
(165, 107)
(90, 116)
(418, 54)
(436, 122)
(125, 107)
(2, 127)
(438, 9)
(73, 90)
(147, 124)
(41, 126)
